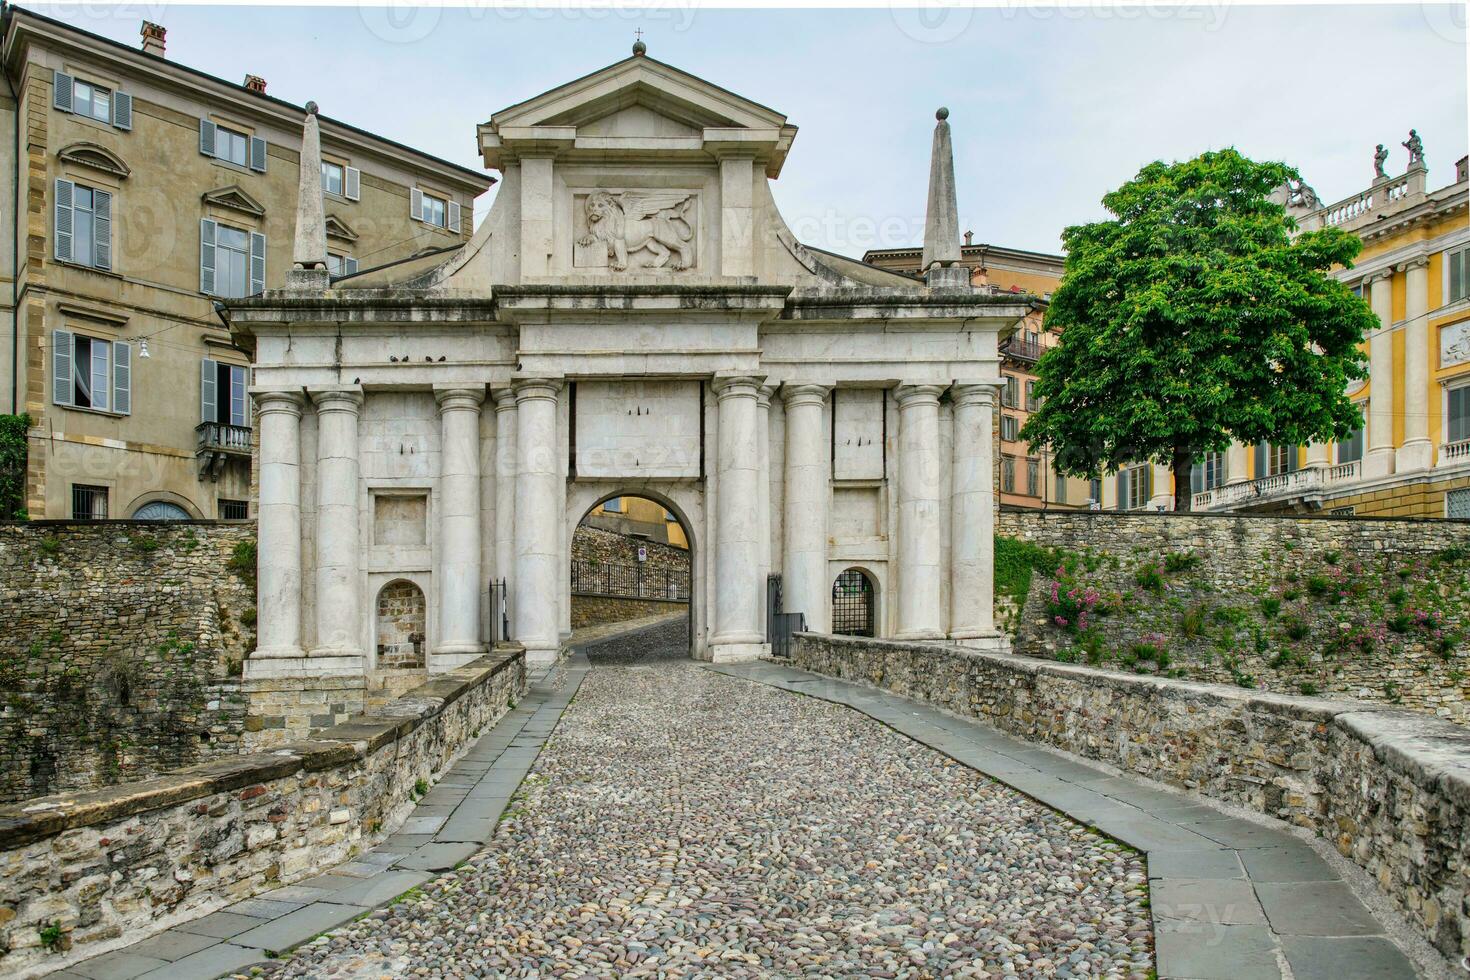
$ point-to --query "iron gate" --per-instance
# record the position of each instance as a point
(852, 604)
(780, 625)
(499, 612)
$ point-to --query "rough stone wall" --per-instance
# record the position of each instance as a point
(594, 610)
(596, 545)
(120, 649)
(1389, 788)
(109, 867)
(1375, 610)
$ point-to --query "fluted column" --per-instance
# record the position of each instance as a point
(919, 539)
(739, 633)
(278, 530)
(1379, 459)
(763, 439)
(972, 518)
(339, 626)
(538, 571)
(1417, 452)
(505, 494)
(459, 527)
(804, 585)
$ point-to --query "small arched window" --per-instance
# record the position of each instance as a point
(852, 603)
(160, 510)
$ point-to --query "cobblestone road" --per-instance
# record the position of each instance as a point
(685, 824)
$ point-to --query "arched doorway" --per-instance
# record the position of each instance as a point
(631, 555)
(401, 626)
(854, 611)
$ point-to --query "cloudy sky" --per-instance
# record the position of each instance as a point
(1051, 108)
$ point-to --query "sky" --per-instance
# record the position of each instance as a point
(1050, 108)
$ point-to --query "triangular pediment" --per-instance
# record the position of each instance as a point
(95, 156)
(337, 228)
(640, 81)
(233, 196)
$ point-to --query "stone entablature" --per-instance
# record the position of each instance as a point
(110, 867)
(702, 374)
(1389, 789)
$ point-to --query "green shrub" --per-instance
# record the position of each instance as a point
(50, 545)
(1307, 688)
(146, 543)
(1331, 557)
(1150, 578)
(13, 452)
(1400, 622)
(1319, 585)
(1180, 561)
(1292, 576)
(1291, 595)
(1192, 622)
(1295, 627)
(51, 936)
(1016, 560)
(1398, 596)
(1270, 606)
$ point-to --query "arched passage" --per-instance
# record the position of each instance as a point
(635, 552)
(854, 604)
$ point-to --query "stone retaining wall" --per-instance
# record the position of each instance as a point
(1389, 788)
(110, 867)
(120, 649)
(594, 610)
(1374, 610)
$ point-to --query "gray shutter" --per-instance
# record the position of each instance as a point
(206, 137)
(1260, 459)
(352, 183)
(1197, 476)
(257, 154)
(62, 387)
(237, 393)
(206, 257)
(122, 110)
(61, 91)
(453, 217)
(416, 204)
(349, 266)
(1457, 262)
(1122, 489)
(102, 229)
(208, 390)
(122, 378)
(257, 263)
(63, 220)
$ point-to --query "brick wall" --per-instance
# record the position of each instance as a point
(121, 645)
(1375, 610)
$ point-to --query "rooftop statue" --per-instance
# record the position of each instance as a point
(1415, 146)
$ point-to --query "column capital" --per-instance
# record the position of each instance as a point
(455, 399)
(803, 393)
(736, 386)
(922, 394)
(288, 401)
(763, 395)
(1382, 275)
(531, 389)
(977, 393)
(1417, 262)
(504, 398)
(337, 399)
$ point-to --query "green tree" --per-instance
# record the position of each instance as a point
(1191, 318)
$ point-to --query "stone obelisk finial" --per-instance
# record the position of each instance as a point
(941, 263)
(309, 257)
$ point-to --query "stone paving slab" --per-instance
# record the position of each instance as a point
(450, 825)
(1232, 899)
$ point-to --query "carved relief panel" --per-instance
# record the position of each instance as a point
(635, 230)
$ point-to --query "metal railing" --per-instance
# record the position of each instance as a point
(1022, 349)
(629, 581)
(222, 437)
(784, 625)
(499, 612)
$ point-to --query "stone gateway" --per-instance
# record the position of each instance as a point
(633, 316)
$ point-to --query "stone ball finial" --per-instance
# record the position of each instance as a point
(311, 108)
(639, 49)
(941, 114)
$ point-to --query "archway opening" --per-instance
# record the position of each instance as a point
(854, 611)
(401, 620)
(632, 564)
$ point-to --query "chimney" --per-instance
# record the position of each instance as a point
(1462, 169)
(154, 36)
(254, 83)
(969, 238)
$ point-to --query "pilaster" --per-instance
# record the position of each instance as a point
(1417, 452)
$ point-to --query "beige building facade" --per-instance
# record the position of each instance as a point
(148, 193)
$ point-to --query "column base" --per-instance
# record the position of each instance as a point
(913, 636)
(993, 641)
(453, 655)
(1416, 454)
(725, 652)
(1378, 462)
(541, 653)
(317, 664)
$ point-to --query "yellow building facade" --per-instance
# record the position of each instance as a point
(639, 517)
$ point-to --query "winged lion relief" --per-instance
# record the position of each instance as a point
(622, 227)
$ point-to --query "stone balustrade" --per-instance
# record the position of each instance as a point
(1295, 483)
(1389, 789)
(82, 873)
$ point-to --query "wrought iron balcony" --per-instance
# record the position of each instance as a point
(1021, 349)
(218, 442)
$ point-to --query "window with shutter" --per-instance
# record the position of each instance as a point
(1457, 416)
(122, 110)
(61, 367)
(208, 390)
(102, 229)
(207, 278)
(353, 184)
(206, 137)
(257, 154)
(1457, 264)
(64, 220)
(454, 219)
(61, 91)
(122, 378)
(257, 263)
(239, 413)
(416, 204)
(349, 265)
